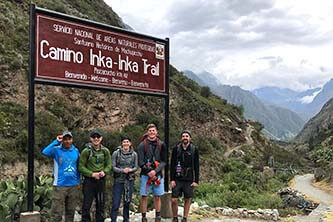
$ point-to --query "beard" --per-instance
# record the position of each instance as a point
(185, 142)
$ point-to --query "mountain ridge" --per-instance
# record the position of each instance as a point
(280, 123)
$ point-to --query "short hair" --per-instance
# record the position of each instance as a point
(151, 125)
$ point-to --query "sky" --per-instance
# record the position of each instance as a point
(249, 43)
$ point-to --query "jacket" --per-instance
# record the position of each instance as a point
(92, 160)
(120, 161)
(151, 154)
(189, 162)
(65, 170)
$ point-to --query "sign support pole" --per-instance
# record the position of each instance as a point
(31, 113)
(166, 118)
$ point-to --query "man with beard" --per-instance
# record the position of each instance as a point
(184, 173)
(94, 164)
(152, 160)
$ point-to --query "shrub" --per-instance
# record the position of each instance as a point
(205, 91)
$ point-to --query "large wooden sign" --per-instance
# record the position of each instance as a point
(71, 50)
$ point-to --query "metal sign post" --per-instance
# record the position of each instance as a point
(74, 52)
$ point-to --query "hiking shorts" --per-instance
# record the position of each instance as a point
(182, 187)
(151, 188)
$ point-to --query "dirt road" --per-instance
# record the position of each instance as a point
(303, 184)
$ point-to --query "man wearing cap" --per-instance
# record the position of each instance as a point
(66, 176)
(124, 165)
(94, 164)
(152, 160)
(184, 173)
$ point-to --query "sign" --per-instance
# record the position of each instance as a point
(70, 51)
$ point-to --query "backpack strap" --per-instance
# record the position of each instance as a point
(118, 157)
(88, 147)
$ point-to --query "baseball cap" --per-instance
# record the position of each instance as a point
(125, 137)
(67, 133)
(95, 133)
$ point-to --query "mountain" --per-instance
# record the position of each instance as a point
(317, 128)
(321, 98)
(279, 123)
(305, 103)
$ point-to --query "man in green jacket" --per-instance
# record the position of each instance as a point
(94, 164)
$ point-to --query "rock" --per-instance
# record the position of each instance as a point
(116, 112)
(206, 207)
(194, 207)
(180, 211)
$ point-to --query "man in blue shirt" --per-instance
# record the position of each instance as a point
(66, 176)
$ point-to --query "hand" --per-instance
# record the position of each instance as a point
(59, 138)
(194, 184)
(172, 183)
(126, 170)
(101, 174)
(95, 175)
(152, 173)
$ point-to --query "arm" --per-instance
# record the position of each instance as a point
(141, 159)
(173, 164)
(196, 166)
(115, 169)
(135, 168)
(83, 162)
(162, 158)
(49, 151)
(107, 168)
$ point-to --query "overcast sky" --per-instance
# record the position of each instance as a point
(250, 43)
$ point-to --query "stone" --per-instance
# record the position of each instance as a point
(194, 207)
(30, 216)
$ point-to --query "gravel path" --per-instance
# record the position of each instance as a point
(303, 184)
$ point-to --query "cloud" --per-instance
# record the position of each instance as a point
(250, 43)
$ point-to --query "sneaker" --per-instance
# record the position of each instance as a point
(144, 219)
(184, 219)
(175, 219)
(158, 219)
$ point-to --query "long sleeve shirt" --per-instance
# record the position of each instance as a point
(65, 162)
(92, 160)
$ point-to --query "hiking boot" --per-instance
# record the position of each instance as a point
(144, 219)
(175, 219)
(184, 219)
(158, 219)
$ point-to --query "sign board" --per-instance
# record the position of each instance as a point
(69, 50)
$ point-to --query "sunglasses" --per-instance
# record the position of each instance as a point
(96, 137)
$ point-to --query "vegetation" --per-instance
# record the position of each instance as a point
(13, 197)
(239, 186)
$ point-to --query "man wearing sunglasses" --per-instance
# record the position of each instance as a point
(94, 164)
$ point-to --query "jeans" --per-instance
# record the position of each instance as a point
(93, 188)
(118, 191)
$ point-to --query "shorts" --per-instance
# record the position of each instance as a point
(182, 187)
(146, 189)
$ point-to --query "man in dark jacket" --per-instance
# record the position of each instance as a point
(94, 164)
(184, 173)
(152, 160)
